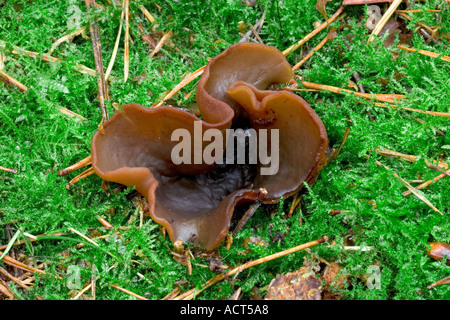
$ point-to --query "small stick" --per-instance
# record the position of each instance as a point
(147, 14)
(193, 292)
(426, 53)
(80, 164)
(128, 292)
(8, 170)
(314, 32)
(426, 184)
(6, 78)
(14, 279)
(82, 175)
(126, 61)
(381, 97)
(384, 19)
(446, 280)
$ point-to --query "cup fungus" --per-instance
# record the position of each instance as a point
(195, 200)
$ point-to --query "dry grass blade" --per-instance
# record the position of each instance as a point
(128, 292)
(36, 238)
(314, 32)
(70, 113)
(416, 192)
(8, 170)
(426, 53)
(67, 38)
(147, 14)
(116, 47)
(83, 236)
(380, 97)
(427, 183)
(181, 85)
(82, 292)
(384, 19)
(6, 78)
(192, 293)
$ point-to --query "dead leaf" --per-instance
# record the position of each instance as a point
(320, 6)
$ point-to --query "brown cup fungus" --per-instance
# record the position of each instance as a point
(195, 201)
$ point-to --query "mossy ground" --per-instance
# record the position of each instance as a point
(37, 140)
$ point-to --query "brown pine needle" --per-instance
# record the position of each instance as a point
(427, 183)
(80, 164)
(6, 78)
(83, 236)
(309, 55)
(445, 280)
(147, 14)
(248, 214)
(14, 279)
(431, 113)
(70, 113)
(408, 157)
(105, 223)
(82, 175)
(193, 292)
(181, 85)
(126, 61)
(82, 292)
(8, 170)
(172, 294)
(384, 19)
(336, 152)
(5, 290)
(416, 192)
(67, 38)
(164, 40)
(381, 97)
(417, 10)
(353, 2)
(128, 292)
(17, 264)
(426, 53)
(314, 32)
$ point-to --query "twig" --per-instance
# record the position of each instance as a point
(6, 78)
(426, 53)
(193, 292)
(128, 292)
(82, 175)
(8, 170)
(426, 184)
(314, 32)
(381, 97)
(80, 164)
(384, 19)
(101, 83)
